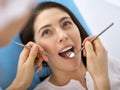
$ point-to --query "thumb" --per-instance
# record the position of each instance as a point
(33, 54)
(89, 49)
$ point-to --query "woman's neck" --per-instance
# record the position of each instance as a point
(63, 78)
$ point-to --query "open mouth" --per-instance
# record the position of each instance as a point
(65, 53)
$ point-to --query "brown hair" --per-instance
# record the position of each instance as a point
(27, 33)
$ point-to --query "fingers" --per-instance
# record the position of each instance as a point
(96, 44)
(24, 55)
(98, 47)
(87, 39)
(96, 57)
(89, 50)
(28, 56)
(84, 42)
(33, 54)
(38, 68)
(38, 63)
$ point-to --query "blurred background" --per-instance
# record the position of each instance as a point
(99, 14)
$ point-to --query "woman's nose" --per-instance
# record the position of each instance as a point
(62, 36)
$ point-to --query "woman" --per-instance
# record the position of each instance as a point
(58, 32)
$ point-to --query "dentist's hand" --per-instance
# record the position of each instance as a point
(97, 63)
(26, 64)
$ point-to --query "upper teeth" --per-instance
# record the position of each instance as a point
(66, 49)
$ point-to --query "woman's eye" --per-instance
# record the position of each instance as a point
(67, 24)
(46, 32)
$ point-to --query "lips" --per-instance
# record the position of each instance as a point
(65, 52)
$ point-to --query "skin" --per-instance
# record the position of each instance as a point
(54, 34)
(13, 27)
(61, 33)
(11, 31)
(97, 63)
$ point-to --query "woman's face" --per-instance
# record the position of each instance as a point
(58, 35)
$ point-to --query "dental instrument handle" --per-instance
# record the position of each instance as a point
(96, 37)
(28, 47)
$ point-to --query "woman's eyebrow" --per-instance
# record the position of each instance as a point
(44, 27)
(48, 25)
(64, 18)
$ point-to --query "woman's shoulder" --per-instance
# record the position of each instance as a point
(43, 85)
(114, 72)
(113, 64)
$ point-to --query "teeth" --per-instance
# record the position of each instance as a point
(68, 48)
